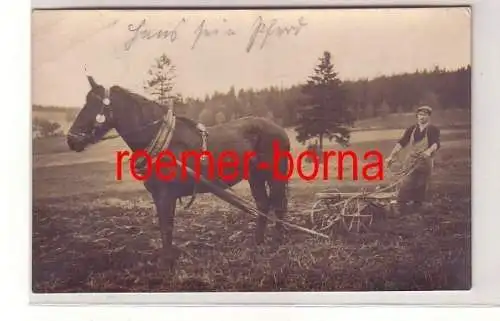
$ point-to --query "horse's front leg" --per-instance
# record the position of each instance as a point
(165, 206)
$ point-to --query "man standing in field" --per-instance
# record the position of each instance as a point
(423, 140)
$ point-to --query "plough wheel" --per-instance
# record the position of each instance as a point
(356, 214)
(325, 212)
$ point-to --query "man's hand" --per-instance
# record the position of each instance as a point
(427, 153)
(389, 160)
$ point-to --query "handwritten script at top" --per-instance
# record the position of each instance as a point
(259, 33)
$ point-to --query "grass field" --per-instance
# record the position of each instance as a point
(94, 234)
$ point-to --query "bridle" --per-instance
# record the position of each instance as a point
(160, 142)
(105, 115)
(100, 118)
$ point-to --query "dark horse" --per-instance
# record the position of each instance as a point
(145, 125)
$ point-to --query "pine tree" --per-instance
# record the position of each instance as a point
(161, 79)
(324, 112)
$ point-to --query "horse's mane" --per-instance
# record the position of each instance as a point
(143, 101)
(187, 120)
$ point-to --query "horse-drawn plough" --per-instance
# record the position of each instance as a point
(352, 211)
(356, 211)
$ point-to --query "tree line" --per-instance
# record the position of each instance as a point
(442, 89)
(322, 106)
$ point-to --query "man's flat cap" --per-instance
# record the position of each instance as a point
(425, 109)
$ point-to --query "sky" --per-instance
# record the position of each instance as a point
(249, 49)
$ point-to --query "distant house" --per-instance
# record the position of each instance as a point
(36, 133)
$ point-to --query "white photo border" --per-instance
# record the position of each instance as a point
(485, 178)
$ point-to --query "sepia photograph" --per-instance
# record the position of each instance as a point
(245, 150)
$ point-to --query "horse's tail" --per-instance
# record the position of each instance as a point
(271, 138)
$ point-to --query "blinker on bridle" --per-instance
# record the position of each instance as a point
(100, 118)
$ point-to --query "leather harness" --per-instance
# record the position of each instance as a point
(162, 139)
(162, 142)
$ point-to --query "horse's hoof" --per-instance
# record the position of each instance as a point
(168, 264)
(279, 237)
(169, 259)
(259, 240)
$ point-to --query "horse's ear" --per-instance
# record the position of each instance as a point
(92, 82)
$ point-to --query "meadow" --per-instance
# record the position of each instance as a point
(92, 233)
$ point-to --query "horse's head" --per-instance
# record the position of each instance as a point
(94, 120)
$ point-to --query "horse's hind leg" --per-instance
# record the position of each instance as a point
(258, 188)
(165, 206)
(279, 204)
(278, 195)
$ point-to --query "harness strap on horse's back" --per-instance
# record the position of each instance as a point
(162, 141)
(204, 135)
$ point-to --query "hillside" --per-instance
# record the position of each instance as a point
(442, 118)
(61, 115)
